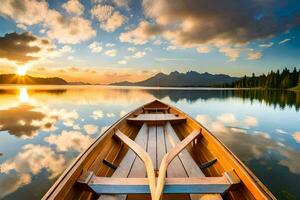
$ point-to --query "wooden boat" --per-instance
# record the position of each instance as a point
(157, 152)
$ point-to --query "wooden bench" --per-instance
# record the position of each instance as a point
(156, 119)
(156, 109)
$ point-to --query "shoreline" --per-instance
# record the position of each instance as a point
(2, 86)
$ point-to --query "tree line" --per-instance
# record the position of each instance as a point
(278, 80)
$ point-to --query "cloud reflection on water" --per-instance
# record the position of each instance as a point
(248, 144)
(69, 140)
(31, 160)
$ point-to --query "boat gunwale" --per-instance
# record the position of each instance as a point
(81, 158)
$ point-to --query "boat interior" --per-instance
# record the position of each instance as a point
(158, 152)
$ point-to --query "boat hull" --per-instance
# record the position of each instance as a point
(107, 148)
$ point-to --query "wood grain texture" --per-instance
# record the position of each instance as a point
(145, 157)
(167, 159)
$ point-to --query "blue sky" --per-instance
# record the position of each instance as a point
(107, 40)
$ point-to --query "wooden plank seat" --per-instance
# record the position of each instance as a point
(184, 176)
(196, 185)
(156, 119)
(156, 109)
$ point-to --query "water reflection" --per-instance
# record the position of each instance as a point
(23, 95)
(42, 129)
(21, 121)
(69, 140)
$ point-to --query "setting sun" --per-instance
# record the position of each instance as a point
(21, 71)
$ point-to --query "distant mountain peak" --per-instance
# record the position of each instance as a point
(174, 73)
(161, 74)
(188, 79)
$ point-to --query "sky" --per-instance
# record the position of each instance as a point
(105, 41)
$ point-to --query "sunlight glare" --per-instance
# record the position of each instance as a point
(23, 95)
(21, 71)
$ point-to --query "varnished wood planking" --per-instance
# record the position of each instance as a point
(188, 163)
(161, 146)
(125, 166)
(175, 169)
(151, 149)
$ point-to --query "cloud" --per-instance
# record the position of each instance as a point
(231, 53)
(148, 49)
(123, 113)
(227, 118)
(97, 114)
(68, 29)
(250, 121)
(122, 62)
(296, 136)
(157, 42)
(254, 55)
(111, 53)
(21, 26)
(139, 54)
(69, 140)
(140, 35)
(113, 22)
(110, 45)
(203, 49)
(32, 159)
(11, 183)
(116, 3)
(132, 49)
(68, 118)
(122, 3)
(255, 146)
(110, 115)
(194, 23)
(203, 119)
(95, 47)
(218, 127)
(284, 41)
(268, 45)
(201, 22)
(65, 29)
(66, 49)
(73, 7)
(26, 117)
(102, 12)
(90, 129)
(22, 47)
(171, 47)
(109, 19)
(280, 131)
(26, 12)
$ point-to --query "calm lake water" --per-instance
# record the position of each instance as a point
(43, 129)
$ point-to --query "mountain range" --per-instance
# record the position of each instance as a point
(29, 80)
(174, 79)
(177, 79)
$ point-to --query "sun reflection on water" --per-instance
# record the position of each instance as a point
(23, 95)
